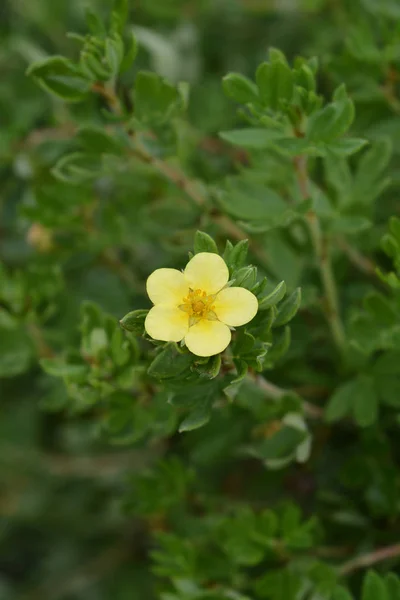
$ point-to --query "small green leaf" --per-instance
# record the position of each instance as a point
(61, 77)
(341, 402)
(170, 362)
(273, 298)
(96, 140)
(283, 443)
(341, 593)
(288, 308)
(347, 146)
(197, 418)
(254, 138)
(238, 255)
(349, 225)
(155, 98)
(134, 321)
(59, 368)
(77, 168)
(392, 583)
(204, 243)
(240, 88)
(365, 401)
(332, 121)
(275, 83)
(373, 587)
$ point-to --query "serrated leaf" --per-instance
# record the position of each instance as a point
(288, 308)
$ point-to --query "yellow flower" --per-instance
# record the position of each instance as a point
(196, 306)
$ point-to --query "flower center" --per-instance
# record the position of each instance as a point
(198, 305)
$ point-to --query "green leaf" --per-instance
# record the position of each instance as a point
(240, 88)
(59, 368)
(155, 98)
(131, 51)
(238, 255)
(349, 225)
(332, 121)
(273, 298)
(170, 363)
(253, 138)
(341, 402)
(61, 77)
(392, 583)
(203, 398)
(245, 277)
(288, 308)
(275, 84)
(211, 368)
(283, 443)
(134, 321)
(96, 140)
(77, 168)
(251, 202)
(16, 352)
(347, 146)
(365, 402)
(373, 587)
(340, 593)
(204, 243)
(120, 14)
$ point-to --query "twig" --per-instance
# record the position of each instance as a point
(176, 176)
(276, 393)
(42, 347)
(322, 253)
(367, 560)
(360, 261)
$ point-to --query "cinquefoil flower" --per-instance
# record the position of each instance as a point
(197, 306)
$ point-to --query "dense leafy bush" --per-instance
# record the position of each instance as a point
(158, 131)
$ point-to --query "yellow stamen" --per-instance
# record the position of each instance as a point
(198, 305)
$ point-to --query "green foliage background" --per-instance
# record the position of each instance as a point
(131, 470)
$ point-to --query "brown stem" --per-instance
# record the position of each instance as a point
(276, 393)
(322, 254)
(360, 261)
(42, 348)
(369, 559)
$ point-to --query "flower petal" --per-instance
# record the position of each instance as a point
(207, 338)
(207, 272)
(235, 306)
(167, 286)
(166, 323)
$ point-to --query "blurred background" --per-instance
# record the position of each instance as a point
(67, 527)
